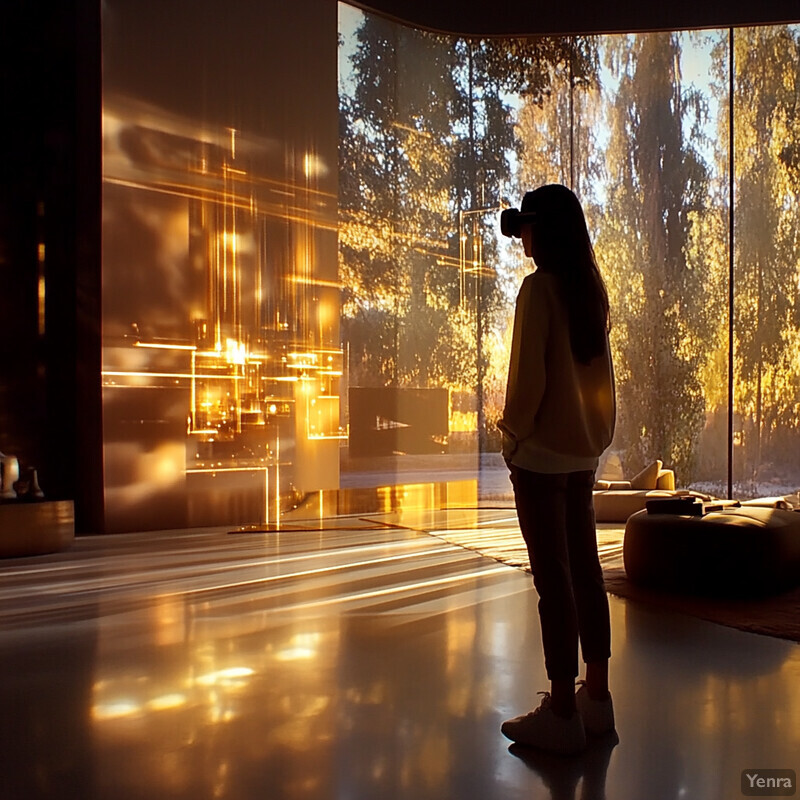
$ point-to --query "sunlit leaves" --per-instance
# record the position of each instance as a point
(424, 135)
(437, 126)
(525, 66)
(656, 190)
(767, 370)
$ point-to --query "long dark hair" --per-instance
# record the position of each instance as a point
(562, 246)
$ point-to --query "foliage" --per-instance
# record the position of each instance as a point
(436, 133)
(426, 138)
(767, 257)
(657, 197)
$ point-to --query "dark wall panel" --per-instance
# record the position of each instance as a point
(50, 247)
(580, 16)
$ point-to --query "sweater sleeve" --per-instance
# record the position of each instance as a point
(526, 370)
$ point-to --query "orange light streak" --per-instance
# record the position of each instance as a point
(214, 470)
(158, 346)
(315, 281)
(178, 375)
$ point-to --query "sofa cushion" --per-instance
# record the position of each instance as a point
(666, 480)
(617, 505)
(605, 485)
(648, 477)
(768, 502)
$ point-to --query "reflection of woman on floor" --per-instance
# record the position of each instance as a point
(558, 419)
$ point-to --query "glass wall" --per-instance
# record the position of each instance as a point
(766, 112)
(248, 364)
(437, 134)
(425, 144)
(222, 363)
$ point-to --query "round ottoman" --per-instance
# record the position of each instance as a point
(734, 552)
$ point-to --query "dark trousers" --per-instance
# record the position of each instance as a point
(556, 516)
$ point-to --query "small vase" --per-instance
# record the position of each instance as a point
(9, 475)
(34, 490)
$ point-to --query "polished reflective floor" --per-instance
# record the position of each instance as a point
(353, 659)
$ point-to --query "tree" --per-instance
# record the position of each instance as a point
(394, 204)
(559, 102)
(657, 189)
(426, 137)
(767, 252)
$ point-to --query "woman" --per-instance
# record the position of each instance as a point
(558, 419)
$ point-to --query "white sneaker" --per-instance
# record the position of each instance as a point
(546, 730)
(597, 715)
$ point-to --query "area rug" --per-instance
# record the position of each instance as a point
(777, 616)
(501, 540)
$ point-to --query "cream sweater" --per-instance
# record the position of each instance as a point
(559, 415)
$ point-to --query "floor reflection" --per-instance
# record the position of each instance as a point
(368, 662)
(562, 774)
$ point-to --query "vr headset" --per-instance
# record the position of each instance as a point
(512, 220)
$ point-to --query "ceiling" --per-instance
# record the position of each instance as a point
(506, 18)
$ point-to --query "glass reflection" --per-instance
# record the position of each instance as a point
(222, 368)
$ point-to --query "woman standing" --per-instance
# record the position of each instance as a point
(558, 419)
